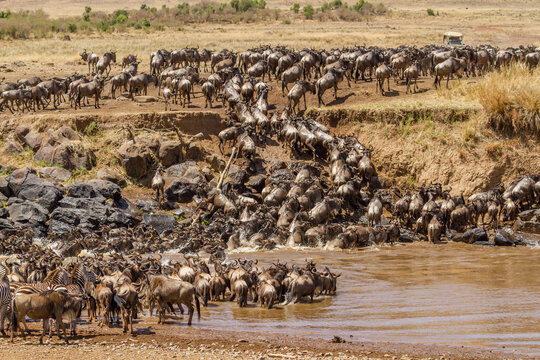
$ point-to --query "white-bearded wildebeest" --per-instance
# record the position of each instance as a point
(412, 73)
(329, 80)
(104, 64)
(118, 81)
(298, 91)
(383, 72)
(182, 89)
(91, 58)
(446, 68)
(92, 88)
(166, 290)
(140, 82)
(208, 89)
(128, 60)
(43, 306)
(369, 60)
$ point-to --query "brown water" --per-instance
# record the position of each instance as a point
(449, 294)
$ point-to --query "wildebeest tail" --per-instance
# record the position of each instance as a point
(271, 302)
(119, 300)
(198, 306)
(14, 322)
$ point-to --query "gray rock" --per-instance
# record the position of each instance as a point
(256, 182)
(20, 132)
(527, 215)
(215, 162)
(107, 189)
(27, 212)
(63, 134)
(472, 236)
(527, 226)
(82, 190)
(160, 222)
(4, 187)
(135, 158)
(13, 148)
(55, 173)
(195, 152)
(181, 190)
(25, 184)
(238, 178)
(504, 238)
(147, 205)
(33, 141)
(170, 153)
(110, 174)
(71, 155)
(187, 168)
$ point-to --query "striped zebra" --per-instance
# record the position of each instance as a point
(5, 295)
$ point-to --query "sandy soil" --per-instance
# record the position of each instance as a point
(152, 341)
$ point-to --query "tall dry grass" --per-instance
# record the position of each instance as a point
(511, 98)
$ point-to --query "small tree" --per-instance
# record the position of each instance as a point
(71, 27)
(308, 11)
(296, 8)
(145, 23)
(235, 4)
(87, 9)
(430, 12)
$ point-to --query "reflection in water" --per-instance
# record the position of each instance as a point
(452, 294)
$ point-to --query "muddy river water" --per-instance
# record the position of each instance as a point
(451, 294)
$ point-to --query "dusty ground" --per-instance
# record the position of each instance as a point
(170, 342)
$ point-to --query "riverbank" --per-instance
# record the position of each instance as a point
(167, 342)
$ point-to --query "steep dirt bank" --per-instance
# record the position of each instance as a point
(452, 146)
(413, 146)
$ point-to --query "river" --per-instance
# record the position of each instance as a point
(450, 294)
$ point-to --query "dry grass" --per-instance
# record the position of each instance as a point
(511, 99)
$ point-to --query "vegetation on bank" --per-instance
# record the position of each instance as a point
(511, 99)
(37, 24)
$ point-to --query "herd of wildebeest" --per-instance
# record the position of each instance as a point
(177, 73)
(327, 195)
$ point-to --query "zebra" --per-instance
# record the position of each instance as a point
(5, 295)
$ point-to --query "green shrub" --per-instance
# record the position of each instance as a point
(308, 11)
(121, 19)
(71, 27)
(87, 9)
(145, 23)
(430, 12)
(144, 7)
(222, 7)
(86, 17)
(296, 8)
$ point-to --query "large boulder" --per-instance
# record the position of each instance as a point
(137, 156)
(170, 153)
(195, 152)
(12, 147)
(26, 185)
(20, 132)
(27, 212)
(70, 155)
(63, 134)
(33, 141)
(110, 174)
(4, 187)
(504, 238)
(527, 226)
(181, 190)
(471, 236)
(160, 222)
(55, 173)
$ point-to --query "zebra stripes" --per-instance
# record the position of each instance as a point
(5, 295)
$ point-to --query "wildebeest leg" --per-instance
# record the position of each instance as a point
(388, 83)
(447, 80)
(305, 103)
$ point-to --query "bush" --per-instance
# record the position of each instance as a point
(121, 19)
(308, 11)
(296, 8)
(87, 9)
(71, 27)
(430, 12)
(86, 17)
(144, 7)
(5, 14)
(145, 23)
